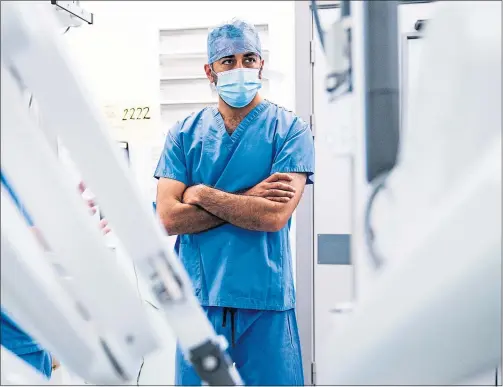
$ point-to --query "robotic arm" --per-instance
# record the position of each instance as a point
(434, 314)
(88, 314)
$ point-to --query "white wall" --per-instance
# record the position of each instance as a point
(119, 58)
(119, 55)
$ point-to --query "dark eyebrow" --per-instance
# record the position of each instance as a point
(227, 57)
(248, 54)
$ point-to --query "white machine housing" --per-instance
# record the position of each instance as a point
(433, 316)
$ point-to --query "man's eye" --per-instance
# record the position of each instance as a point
(251, 60)
(227, 62)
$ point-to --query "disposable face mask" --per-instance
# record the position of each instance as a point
(238, 87)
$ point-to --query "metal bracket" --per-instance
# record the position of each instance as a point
(212, 364)
(73, 8)
(164, 281)
(311, 124)
(311, 51)
(420, 24)
(313, 373)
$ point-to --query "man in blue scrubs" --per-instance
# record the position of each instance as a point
(230, 178)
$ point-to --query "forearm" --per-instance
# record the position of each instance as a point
(183, 218)
(249, 212)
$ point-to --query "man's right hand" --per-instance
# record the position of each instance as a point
(276, 188)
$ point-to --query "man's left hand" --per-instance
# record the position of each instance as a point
(191, 194)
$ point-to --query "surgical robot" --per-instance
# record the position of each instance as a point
(86, 312)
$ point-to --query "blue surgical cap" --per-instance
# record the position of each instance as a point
(236, 37)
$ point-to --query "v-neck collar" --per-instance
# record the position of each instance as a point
(252, 114)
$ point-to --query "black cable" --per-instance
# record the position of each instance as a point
(379, 184)
(137, 284)
(139, 293)
(139, 372)
(318, 23)
(142, 358)
(67, 29)
(338, 79)
(334, 80)
(153, 306)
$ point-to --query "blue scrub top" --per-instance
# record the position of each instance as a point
(231, 266)
(12, 336)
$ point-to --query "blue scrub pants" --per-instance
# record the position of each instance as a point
(264, 345)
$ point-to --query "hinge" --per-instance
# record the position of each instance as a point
(311, 51)
(313, 373)
(311, 123)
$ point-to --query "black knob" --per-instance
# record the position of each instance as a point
(420, 24)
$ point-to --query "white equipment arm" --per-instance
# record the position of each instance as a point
(94, 322)
(434, 315)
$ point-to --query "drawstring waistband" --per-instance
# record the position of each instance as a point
(232, 311)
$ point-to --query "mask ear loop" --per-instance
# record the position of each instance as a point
(213, 85)
(215, 76)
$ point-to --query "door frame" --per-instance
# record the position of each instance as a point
(304, 235)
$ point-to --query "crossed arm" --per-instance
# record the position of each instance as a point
(265, 207)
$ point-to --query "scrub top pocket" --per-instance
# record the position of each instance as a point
(191, 258)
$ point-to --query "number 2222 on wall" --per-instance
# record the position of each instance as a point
(138, 113)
